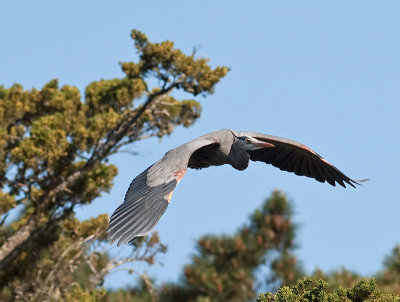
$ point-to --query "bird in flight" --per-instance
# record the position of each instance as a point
(150, 192)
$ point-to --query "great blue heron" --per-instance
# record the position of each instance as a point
(150, 192)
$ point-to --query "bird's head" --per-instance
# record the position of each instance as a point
(251, 143)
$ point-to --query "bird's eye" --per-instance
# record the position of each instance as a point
(245, 139)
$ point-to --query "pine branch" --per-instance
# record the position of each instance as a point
(10, 249)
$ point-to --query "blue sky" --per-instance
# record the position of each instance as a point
(325, 74)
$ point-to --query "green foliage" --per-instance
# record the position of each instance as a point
(171, 65)
(143, 291)
(388, 279)
(81, 295)
(54, 151)
(316, 290)
(338, 278)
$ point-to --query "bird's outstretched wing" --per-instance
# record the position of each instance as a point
(141, 210)
(292, 156)
(149, 194)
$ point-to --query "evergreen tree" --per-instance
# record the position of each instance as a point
(389, 278)
(317, 290)
(54, 151)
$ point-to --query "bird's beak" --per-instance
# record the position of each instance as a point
(260, 144)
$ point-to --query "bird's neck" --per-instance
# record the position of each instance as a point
(239, 158)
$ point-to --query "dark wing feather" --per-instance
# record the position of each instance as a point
(292, 156)
(205, 157)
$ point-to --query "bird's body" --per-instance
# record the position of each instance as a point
(150, 192)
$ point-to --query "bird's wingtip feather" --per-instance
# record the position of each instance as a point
(361, 181)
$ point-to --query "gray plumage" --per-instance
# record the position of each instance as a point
(150, 192)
